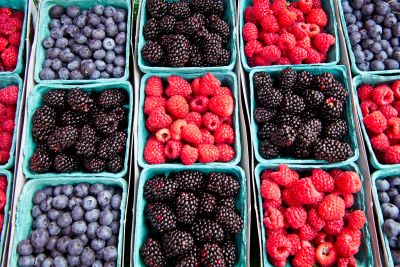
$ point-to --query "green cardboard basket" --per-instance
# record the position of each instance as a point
(341, 75)
(371, 79)
(364, 257)
(24, 219)
(142, 231)
(227, 79)
(35, 101)
(7, 207)
(229, 15)
(331, 28)
(44, 31)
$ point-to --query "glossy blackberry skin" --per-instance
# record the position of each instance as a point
(205, 230)
(336, 130)
(265, 130)
(283, 136)
(287, 79)
(292, 104)
(177, 243)
(187, 206)
(269, 97)
(303, 81)
(262, 80)
(161, 217)
(151, 30)
(178, 51)
(152, 52)
(151, 253)
(263, 115)
(160, 188)
(332, 150)
(268, 150)
(40, 161)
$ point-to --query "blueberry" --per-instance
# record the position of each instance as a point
(77, 213)
(47, 262)
(39, 238)
(381, 56)
(25, 248)
(47, 63)
(92, 216)
(73, 11)
(357, 14)
(97, 244)
(395, 42)
(119, 49)
(91, 229)
(377, 65)
(367, 9)
(359, 55)
(355, 38)
(62, 244)
(39, 259)
(106, 217)
(375, 31)
(80, 38)
(103, 232)
(383, 197)
(110, 264)
(38, 250)
(97, 263)
(109, 11)
(87, 257)
(85, 52)
(101, 26)
(109, 21)
(394, 181)
(105, 75)
(74, 201)
(112, 30)
(392, 192)
(396, 55)
(67, 190)
(76, 75)
(87, 67)
(120, 39)
(95, 75)
(110, 253)
(54, 23)
(119, 16)
(75, 247)
(56, 33)
(110, 56)
(396, 256)
(365, 66)
(110, 68)
(346, 7)
(64, 219)
(35, 212)
(100, 65)
(93, 20)
(87, 31)
(66, 56)
(41, 222)
(391, 64)
(72, 30)
(368, 55)
(73, 65)
(389, 211)
(73, 260)
(45, 205)
(108, 44)
(60, 202)
(378, 19)
(95, 189)
(79, 227)
(67, 231)
(119, 61)
(122, 26)
(118, 72)
(391, 228)
(65, 20)
(98, 34)
(360, 24)
(116, 201)
(104, 198)
(390, 20)
(98, 9)
(352, 28)
(113, 241)
(84, 239)
(382, 8)
(81, 21)
(54, 229)
(26, 261)
(56, 12)
(38, 197)
(396, 29)
(55, 253)
(48, 42)
(64, 74)
(60, 261)
(52, 243)
(81, 190)
(389, 51)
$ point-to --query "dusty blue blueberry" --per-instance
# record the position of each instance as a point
(73, 65)
(56, 33)
(375, 31)
(60, 261)
(106, 217)
(367, 9)
(93, 20)
(47, 63)
(112, 30)
(392, 192)
(87, 67)
(26, 261)
(99, 54)
(53, 214)
(395, 42)
(41, 222)
(113, 241)
(104, 198)
(57, 189)
(54, 23)
(77, 213)
(79, 227)
(45, 205)
(394, 181)
(95, 189)
(81, 190)
(110, 264)
(382, 8)
(110, 56)
(396, 55)
(391, 64)
(84, 239)
(52, 243)
(54, 229)
(103, 232)
(119, 16)
(74, 201)
(72, 30)
(81, 21)
(101, 26)
(97, 263)
(75, 247)
(98, 9)
(76, 75)
(73, 11)
(110, 253)
(91, 229)
(116, 201)
(95, 75)
(346, 7)
(359, 55)
(55, 253)
(389, 51)
(378, 18)
(381, 56)
(92, 216)
(389, 211)
(119, 49)
(48, 42)
(39, 259)
(87, 257)
(67, 190)
(67, 56)
(66, 20)
(85, 52)
(62, 244)
(109, 11)
(355, 38)
(109, 21)
(73, 260)
(383, 197)
(97, 244)
(118, 72)
(39, 238)
(120, 39)
(365, 66)
(64, 74)
(98, 34)
(67, 231)
(100, 65)
(87, 31)
(352, 28)
(396, 29)
(104, 75)
(25, 248)
(64, 219)
(47, 262)
(35, 212)
(108, 44)
(122, 26)
(119, 61)
(377, 65)
(391, 228)
(95, 44)
(60, 202)
(47, 74)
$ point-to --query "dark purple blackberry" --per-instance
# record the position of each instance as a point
(157, 8)
(269, 97)
(303, 81)
(200, 17)
(55, 99)
(223, 184)
(72, 118)
(112, 98)
(332, 150)
(120, 113)
(65, 163)
(212, 49)
(196, 58)
(152, 52)
(86, 144)
(95, 165)
(228, 202)
(188, 26)
(207, 204)
(152, 254)
(292, 104)
(161, 217)
(151, 30)
(320, 82)
(283, 136)
(116, 164)
(62, 138)
(199, 37)
(178, 51)
(191, 259)
(314, 124)
(336, 90)
(308, 133)
(289, 120)
(262, 81)
(160, 188)
(105, 122)
(231, 222)
(112, 145)
(230, 253)
(336, 130)
(309, 115)
(205, 230)
(208, 6)
(300, 151)
(190, 180)
(177, 243)
(268, 150)
(287, 79)
(224, 58)
(79, 100)
(220, 27)
(265, 130)
(313, 98)
(40, 161)
(167, 24)
(186, 209)
(180, 10)
(331, 109)
(211, 255)
(44, 122)
(264, 115)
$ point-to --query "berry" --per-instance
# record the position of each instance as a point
(158, 119)
(40, 161)
(199, 104)
(283, 136)
(336, 130)
(194, 118)
(221, 105)
(323, 41)
(177, 243)
(152, 52)
(178, 86)
(79, 100)
(326, 254)
(191, 133)
(161, 217)
(211, 121)
(65, 163)
(222, 184)
(9, 95)
(332, 150)
(334, 227)
(295, 217)
(364, 92)
(189, 155)
(177, 106)
(226, 153)
(314, 220)
(322, 181)
(305, 5)
(186, 208)
(284, 176)
(154, 86)
(252, 48)
(10, 57)
(297, 55)
(224, 134)
(349, 182)
(212, 255)
(292, 104)
(173, 149)
(250, 32)
(270, 190)
(62, 138)
(286, 18)
(278, 247)
(368, 107)
(307, 233)
(304, 192)
(111, 98)
(392, 155)
(347, 262)
(382, 95)
(154, 152)
(304, 257)
(356, 219)
(286, 41)
(205, 231)
(317, 16)
(189, 180)
(346, 246)
(271, 53)
(332, 207)
(151, 253)
(388, 112)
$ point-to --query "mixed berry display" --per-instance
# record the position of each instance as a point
(301, 115)
(187, 122)
(374, 31)
(85, 43)
(186, 33)
(193, 219)
(380, 108)
(286, 33)
(80, 131)
(8, 105)
(73, 225)
(310, 217)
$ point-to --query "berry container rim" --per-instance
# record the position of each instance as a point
(141, 229)
(7, 208)
(35, 101)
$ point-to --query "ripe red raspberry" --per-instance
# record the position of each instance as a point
(322, 181)
(396, 105)
(304, 192)
(278, 5)
(270, 24)
(313, 57)
(286, 18)
(154, 152)
(206, 137)
(304, 257)
(382, 95)
(208, 85)
(5, 12)
(154, 87)
(320, 238)
(15, 39)
(283, 61)
(334, 227)
(173, 149)
(250, 32)
(163, 135)
(380, 142)
(331, 208)
(260, 60)
(10, 57)
(3, 183)
(196, 85)
(392, 155)
(194, 118)
(299, 30)
(375, 122)
(295, 217)
(326, 254)
(7, 113)
(275, 203)
(393, 128)
(189, 155)
(349, 182)
(305, 5)
(273, 219)
(299, 14)
(252, 48)
(323, 41)
(356, 219)
(364, 92)
(278, 247)
(307, 233)
(224, 134)
(270, 190)
(354, 233)
(158, 119)
(211, 121)
(3, 200)
(262, 10)
(249, 15)
(258, 2)
(347, 262)
(284, 176)
(314, 220)
(208, 153)
(4, 157)
(9, 95)
(152, 102)
(176, 129)
(191, 133)
(286, 41)
(178, 86)
(396, 89)
(305, 43)
(278, 263)
(348, 200)
(222, 105)
(297, 55)
(223, 91)
(288, 199)
(335, 173)
(271, 53)
(345, 246)
(3, 44)
(368, 107)
(317, 16)
(199, 104)
(178, 107)
(5, 141)
(388, 112)
(270, 38)
(266, 174)
(296, 245)
(226, 153)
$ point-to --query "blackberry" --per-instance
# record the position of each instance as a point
(65, 163)
(336, 90)
(196, 58)
(105, 122)
(160, 188)
(55, 99)
(40, 161)
(220, 27)
(331, 109)
(167, 24)
(199, 37)
(157, 8)
(262, 80)
(179, 10)
(205, 230)
(309, 115)
(222, 184)
(190, 180)
(300, 150)
(95, 165)
(307, 134)
(116, 164)
(44, 122)
(152, 52)
(178, 51)
(211, 255)
(224, 57)
(228, 202)
(212, 49)
(177, 243)
(264, 131)
(188, 26)
(268, 150)
(161, 217)
(79, 100)
(151, 30)
(112, 98)
(336, 130)
(62, 138)
(72, 118)
(313, 98)
(287, 79)
(208, 6)
(112, 145)
(264, 115)
(230, 221)
(151, 253)
(191, 259)
(200, 17)
(293, 104)
(207, 203)
(289, 120)
(303, 81)
(314, 124)
(323, 80)
(269, 98)
(120, 113)
(332, 150)
(187, 205)
(283, 136)
(86, 144)
(230, 253)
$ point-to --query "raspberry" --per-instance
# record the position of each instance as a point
(15, 39)
(270, 190)
(278, 5)
(191, 133)
(199, 104)
(208, 85)
(270, 24)
(307, 233)
(226, 153)
(10, 57)
(176, 129)
(304, 192)
(275, 203)
(375, 122)
(326, 254)
(295, 217)
(250, 32)
(331, 208)
(194, 118)
(304, 257)
(364, 92)
(295, 240)
(249, 15)
(196, 85)
(163, 135)
(3, 44)
(313, 57)
(396, 105)
(224, 134)
(278, 247)
(334, 227)
(222, 105)
(260, 60)
(396, 89)
(208, 153)
(393, 128)
(283, 61)
(320, 238)
(356, 219)
(355, 234)
(271, 53)
(152, 102)
(3, 200)
(211, 121)
(4, 157)
(349, 182)
(380, 142)
(154, 152)
(173, 149)
(299, 30)
(335, 173)
(5, 141)
(273, 219)
(5, 12)
(178, 107)
(223, 91)
(8, 113)
(345, 246)
(368, 107)
(278, 263)
(158, 119)
(261, 10)
(306, 44)
(284, 176)
(189, 155)
(297, 55)
(305, 5)
(382, 95)
(322, 181)
(317, 16)
(314, 220)
(178, 86)
(288, 199)
(388, 112)
(323, 41)
(9, 95)
(348, 200)
(392, 155)
(270, 38)
(297, 12)
(206, 137)
(286, 41)
(3, 183)
(347, 262)
(286, 18)
(317, 4)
